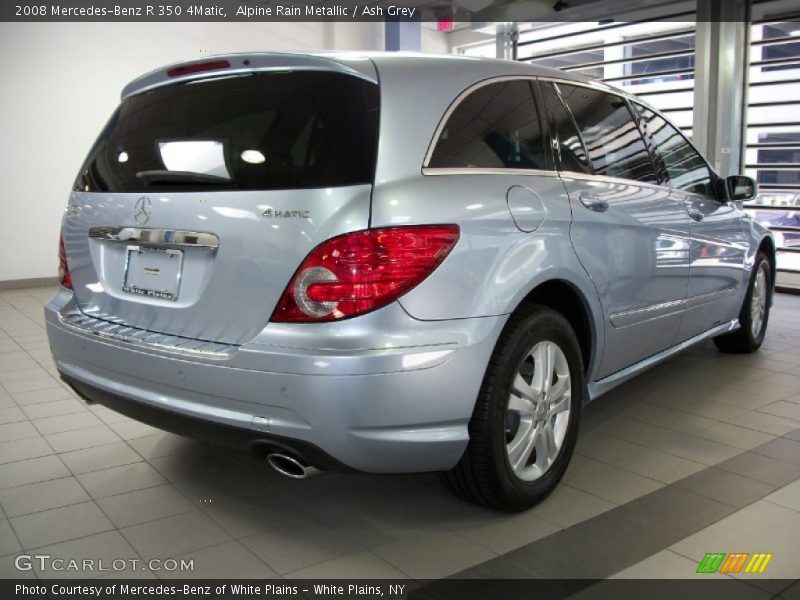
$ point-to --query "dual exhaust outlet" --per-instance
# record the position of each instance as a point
(291, 466)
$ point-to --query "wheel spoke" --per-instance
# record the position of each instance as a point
(558, 406)
(524, 390)
(521, 446)
(560, 388)
(521, 405)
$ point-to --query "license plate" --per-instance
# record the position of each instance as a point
(153, 272)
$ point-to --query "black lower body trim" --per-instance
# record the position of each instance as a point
(236, 438)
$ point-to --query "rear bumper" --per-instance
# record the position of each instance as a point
(361, 406)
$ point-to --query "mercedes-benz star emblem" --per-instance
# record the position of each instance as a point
(142, 210)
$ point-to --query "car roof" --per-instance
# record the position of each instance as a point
(356, 63)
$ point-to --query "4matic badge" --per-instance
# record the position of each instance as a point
(271, 213)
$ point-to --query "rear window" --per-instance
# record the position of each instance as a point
(257, 131)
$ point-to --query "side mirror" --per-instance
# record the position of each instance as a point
(741, 187)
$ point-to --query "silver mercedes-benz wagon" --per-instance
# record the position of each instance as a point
(394, 263)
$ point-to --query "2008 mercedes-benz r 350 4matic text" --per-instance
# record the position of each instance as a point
(394, 264)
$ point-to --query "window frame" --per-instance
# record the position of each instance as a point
(719, 196)
(556, 144)
(544, 125)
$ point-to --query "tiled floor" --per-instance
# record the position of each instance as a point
(701, 454)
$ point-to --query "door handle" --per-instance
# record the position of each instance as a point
(695, 214)
(594, 203)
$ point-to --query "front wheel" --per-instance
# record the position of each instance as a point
(754, 315)
(525, 422)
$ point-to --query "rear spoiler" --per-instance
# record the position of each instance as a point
(235, 64)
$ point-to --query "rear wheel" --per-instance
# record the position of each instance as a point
(754, 315)
(525, 422)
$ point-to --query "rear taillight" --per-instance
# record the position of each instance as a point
(63, 268)
(358, 272)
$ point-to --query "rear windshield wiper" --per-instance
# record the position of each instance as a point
(159, 176)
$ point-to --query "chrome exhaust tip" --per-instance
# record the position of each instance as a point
(291, 467)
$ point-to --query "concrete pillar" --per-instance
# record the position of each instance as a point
(505, 39)
(403, 35)
(719, 95)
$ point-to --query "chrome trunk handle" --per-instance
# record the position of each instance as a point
(174, 238)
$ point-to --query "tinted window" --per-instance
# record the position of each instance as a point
(497, 126)
(571, 152)
(256, 131)
(685, 168)
(611, 137)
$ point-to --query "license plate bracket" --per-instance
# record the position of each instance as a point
(153, 272)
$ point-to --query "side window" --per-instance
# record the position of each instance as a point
(612, 139)
(497, 126)
(686, 169)
(570, 147)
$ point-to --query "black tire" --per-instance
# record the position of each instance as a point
(484, 474)
(744, 340)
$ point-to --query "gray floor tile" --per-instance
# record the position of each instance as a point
(726, 487)
(788, 496)
(100, 457)
(765, 423)
(54, 409)
(178, 534)
(118, 480)
(9, 570)
(359, 565)
(665, 564)
(431, 554)
(8, 539)
(300, 545)
(132, 430)
(568, 555)
(101, 548)
(163, 444)
(736, 436)
(607, 481)
(32, 447)
(10, 432)
(763, 527)
(658, 465)
(31, 470)
(32, 385)
(568, 505)
(206, 464)
(144, 505)
(783, 408)
(782, 449)
(42, 496)
(230, 560)
(66, 422)
(627, 535)
(79, 439)
(60, 524)
(500, 532)
(762, 468)
(677, 509)
(38, 396)
(12, 415)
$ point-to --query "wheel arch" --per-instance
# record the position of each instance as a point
(566, 299)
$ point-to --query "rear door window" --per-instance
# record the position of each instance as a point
(571, 152)
(496, 127)
(610, 135)
(686, 169)
(258, 131)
